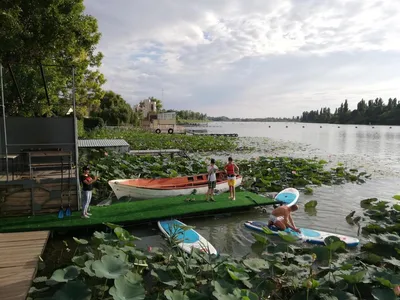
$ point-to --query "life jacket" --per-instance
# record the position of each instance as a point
(230, 169)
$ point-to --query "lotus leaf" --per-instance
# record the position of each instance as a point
(88, 268)
(164, 277)
(397, 197)
(333, 243)
(80, 260)
(256, 264)
(383, 294)
(342, 295)
(175, 295)
(73, 290)
(109, 267)
(245, 294)
(124, 289)
(261, 239)
(124, 235)
(287, 237)
(355, 277)
(80, 241)
(311, 204)
(66, 274)
(305, 259)
(389, 238)
(112, 251)
(393, 261)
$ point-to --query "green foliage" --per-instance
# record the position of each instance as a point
(111, 267)
(114, 110)
(371, 112)
(49, 33)
(143, 140)
(266, 174)
(92, 123)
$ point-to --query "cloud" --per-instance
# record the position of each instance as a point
(250, 58)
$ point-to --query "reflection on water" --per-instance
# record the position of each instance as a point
(229, 235)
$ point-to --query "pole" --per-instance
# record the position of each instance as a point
(4, 117)
(78, 187)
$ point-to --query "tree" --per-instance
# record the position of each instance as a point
(45, 32)
(114, 110)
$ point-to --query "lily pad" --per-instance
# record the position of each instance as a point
(80, 260)
(397, 197)
(109, 267)
(76, 290)
(175, 295)
(66, 274)
(305, 259)
(80, 241)
(311, 204)
(383, 294)
(256, 264)
(124, 289)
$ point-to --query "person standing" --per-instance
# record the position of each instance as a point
(87, 190)
(230, 170)
(212, 179)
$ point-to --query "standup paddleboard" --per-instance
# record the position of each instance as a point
(288, 196)
(190, 238)
(307, 235)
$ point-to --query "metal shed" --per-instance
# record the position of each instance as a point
(118, 145)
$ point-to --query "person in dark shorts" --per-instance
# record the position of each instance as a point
(212, 180)
(87, 190)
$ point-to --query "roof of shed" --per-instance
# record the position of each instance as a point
(100, 143)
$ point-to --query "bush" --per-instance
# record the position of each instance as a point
(92, 123)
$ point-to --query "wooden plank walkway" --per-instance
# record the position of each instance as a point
(19, 253)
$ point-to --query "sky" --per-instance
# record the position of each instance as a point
(250, 58)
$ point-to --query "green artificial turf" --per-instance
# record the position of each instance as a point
(144, 210)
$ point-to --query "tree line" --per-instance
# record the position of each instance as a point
(374, 112)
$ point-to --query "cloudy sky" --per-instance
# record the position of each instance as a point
(250, 58)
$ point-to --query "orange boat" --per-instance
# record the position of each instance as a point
(143, 188)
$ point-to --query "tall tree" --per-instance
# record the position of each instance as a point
(114, 110)
(45, 32)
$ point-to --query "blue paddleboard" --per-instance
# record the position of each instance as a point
(189, 238)
(288, 196)
(307, 235)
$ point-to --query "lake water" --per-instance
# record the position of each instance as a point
(375, 149)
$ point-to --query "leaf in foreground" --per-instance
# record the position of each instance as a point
(175, 295)
(124, 289)
(76, 290)
(383, 294)
(66, 274)
(256, 264)
(109, 267)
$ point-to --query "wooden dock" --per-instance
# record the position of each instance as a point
(19, 254)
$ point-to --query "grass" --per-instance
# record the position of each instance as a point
(146, 210)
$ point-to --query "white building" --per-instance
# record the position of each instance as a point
(146, 106)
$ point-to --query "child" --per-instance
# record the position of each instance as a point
(230, 170)
(212, 180)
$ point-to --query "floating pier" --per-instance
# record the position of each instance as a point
(20, 254)
(136, 212)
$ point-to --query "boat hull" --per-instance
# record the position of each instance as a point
(142, 193)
